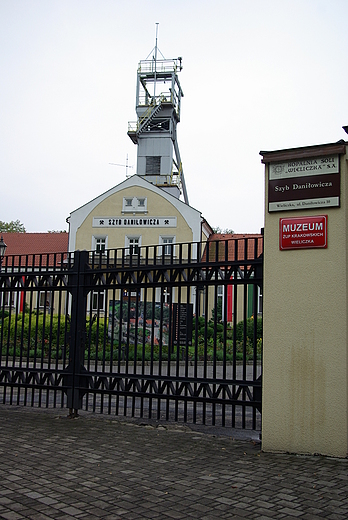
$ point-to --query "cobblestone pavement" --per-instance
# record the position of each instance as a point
(97, 467)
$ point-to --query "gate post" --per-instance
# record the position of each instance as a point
(305, 311)
(76, 380)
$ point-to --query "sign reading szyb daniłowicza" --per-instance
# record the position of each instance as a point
(303, 232)
(133, 221)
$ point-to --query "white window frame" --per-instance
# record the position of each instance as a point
(129, 244)
(96, 240)
(142, 204)
(164, 296)
(98, 297)
(9, 299)
(259, 300)
(167, 241)
(137, 205)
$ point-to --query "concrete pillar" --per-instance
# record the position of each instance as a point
(305, 360)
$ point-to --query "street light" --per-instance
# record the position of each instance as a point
(3, 247)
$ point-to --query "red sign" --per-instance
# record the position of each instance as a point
(303, 232)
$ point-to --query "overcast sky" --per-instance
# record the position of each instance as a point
(257, 75)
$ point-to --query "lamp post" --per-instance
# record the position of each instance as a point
(3, 247)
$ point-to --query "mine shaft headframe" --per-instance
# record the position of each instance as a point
(158, 81)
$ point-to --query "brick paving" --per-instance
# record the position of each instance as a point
(98, 467)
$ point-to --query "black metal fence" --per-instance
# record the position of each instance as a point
(170, 332)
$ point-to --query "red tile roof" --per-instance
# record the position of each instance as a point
(25, 245)
(30, 243)
(233, 247)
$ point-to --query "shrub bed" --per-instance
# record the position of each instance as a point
(43, 336)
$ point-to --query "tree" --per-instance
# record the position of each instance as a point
(15, 226)
(225, 231)
(218, 311)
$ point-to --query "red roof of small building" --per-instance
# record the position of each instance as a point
(236, 246)
(29, 244)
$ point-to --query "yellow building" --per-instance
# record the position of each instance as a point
(133, 214)
(146, 209)
(150, 208)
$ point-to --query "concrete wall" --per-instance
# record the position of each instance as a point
(305, 363)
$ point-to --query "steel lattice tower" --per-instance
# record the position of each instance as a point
(158, 104)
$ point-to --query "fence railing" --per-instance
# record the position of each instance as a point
(171, 332)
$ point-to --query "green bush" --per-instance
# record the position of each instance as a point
(249, 330)
(42, 335)
(208, 346)
(34, 332)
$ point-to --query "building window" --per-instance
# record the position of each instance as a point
(220, 304)
(153, 164)
(9, 299)
(98, 300)
(165, 295)
(134, 205)
(45, 300)
(133, 245)
(99, 244)
(167, 242)
(259, 300)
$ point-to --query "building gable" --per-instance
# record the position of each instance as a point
(135, 207)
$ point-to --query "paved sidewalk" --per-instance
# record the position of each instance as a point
(97, 467)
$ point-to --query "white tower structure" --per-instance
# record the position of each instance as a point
(158, 103)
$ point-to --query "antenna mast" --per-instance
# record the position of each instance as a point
(123, 165)
(154, 86)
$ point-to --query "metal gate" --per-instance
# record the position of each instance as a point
(170, 332)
